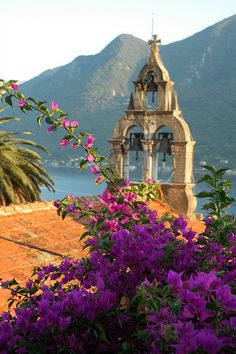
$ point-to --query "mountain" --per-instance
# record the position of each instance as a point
(95, 89)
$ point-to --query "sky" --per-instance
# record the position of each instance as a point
(36, 35)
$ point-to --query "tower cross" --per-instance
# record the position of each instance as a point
(155, 41)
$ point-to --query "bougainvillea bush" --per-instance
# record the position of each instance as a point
(147, 286)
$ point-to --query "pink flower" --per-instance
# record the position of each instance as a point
(89, 141)
(150, 181)
(90, 158)
(94, 169)
(15, 86)
(64, 142)
(74, 146)
(65, 122)
(74, 124)
(50, 128)
(21, 103)
(54, 105)
(126, 183)
(99, 179)
(70, 196)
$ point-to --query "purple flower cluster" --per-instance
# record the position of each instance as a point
(143, 289)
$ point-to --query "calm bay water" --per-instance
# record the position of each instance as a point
(72, 180)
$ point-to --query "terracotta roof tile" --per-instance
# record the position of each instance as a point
(34, 235)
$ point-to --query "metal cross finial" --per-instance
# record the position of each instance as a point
(155, 41)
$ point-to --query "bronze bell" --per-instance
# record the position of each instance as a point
(165, 140)
(135, 142)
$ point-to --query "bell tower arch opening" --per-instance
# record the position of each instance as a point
(163, 155)
(136, 155)
(161, 135)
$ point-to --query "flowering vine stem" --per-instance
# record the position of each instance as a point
(10, 89)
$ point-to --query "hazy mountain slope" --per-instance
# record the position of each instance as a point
(96, 88)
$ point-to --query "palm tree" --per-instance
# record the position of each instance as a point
(21, 171)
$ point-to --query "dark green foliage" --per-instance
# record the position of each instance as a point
(21, 171)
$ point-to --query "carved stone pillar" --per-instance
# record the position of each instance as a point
(182, 160)
(148, 156)
(116, 156)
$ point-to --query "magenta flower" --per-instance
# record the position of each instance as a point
(21, 103)
(65, 122)
(90, 158)
(89, 141)
(150, 181)
(174, 280)
(71, 207)
(56, 203)
(209, 219)
(126, 183)
(64, 142)
(74, 124)
(50, 128)
(54, 105)
(15, 86)
(74, 146)
(94, 169)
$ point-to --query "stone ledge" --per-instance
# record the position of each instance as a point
(31, 207)
(25, 208)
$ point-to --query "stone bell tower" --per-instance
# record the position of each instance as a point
(154, 80)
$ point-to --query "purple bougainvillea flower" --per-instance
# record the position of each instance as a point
(56, 203)
(51, 128)
(71, 207)
(126, 183)
(54, 105)
(65, 122)
(64, 142)
(90, 158)
(74, 146)
(74, 124)
(21, 103)
(174, 280)
(150, 181)
(15, 86)
(94, 169)
(89, 141)
(209, 219)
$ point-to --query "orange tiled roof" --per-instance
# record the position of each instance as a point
(33, 235)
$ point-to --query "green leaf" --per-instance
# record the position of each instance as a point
(207, 179)
(221, 172)
(39, 119)
(210, 168)
(31, 99)
(203, 195)
(49, 120)
(85, 234)
(165, 291)
(82, 164)
(156, 302)
(7, 119)
(9, 100)
(64, 213)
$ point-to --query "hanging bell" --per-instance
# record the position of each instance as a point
(165, 140)
(135, 143)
